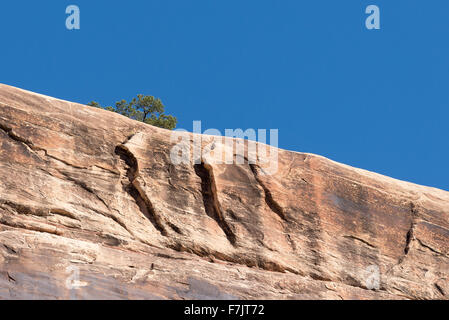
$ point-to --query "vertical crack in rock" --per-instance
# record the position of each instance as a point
(135, 190)
(210, 199)
(272, 204)
(411, 232)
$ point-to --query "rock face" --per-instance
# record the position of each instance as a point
(93, 207)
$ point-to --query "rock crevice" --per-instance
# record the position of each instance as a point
(210, 199)
(135, 190)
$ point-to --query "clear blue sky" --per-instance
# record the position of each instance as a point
(377, 100)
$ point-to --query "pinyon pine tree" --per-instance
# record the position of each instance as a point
(147, 109)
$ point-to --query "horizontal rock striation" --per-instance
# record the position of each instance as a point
(92, 207)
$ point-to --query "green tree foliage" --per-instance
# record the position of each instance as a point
(147, 109)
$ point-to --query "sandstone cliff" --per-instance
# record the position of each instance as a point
(91, 206)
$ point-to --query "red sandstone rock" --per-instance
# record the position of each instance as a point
(83, 189)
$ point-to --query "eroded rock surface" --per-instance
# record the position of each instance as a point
(91, 206)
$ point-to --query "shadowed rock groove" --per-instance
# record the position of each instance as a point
(411, 232)
(210, 199)
(135, 191)
(272, 204)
